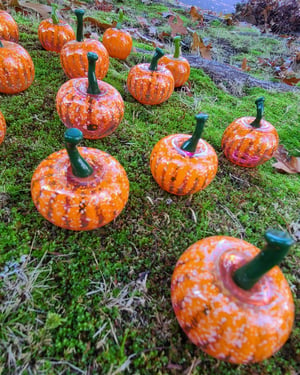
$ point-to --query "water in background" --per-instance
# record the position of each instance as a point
(224, 6)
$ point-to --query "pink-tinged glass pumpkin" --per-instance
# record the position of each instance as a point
(178, 65)
(54, 33)
(8, 27)
(79, 188)
(182, 164)
(94, 107)
(250, 141)
(2, 127)
(149, 83)
(118, 42)
(73, 56)
(16, 68)
(230, 300)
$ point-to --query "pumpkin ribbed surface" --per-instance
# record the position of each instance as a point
(2, 127)
(247, 146)
(179, 172)
(223, 320)
(80, 203)
(8, 27)
(54, 36)
(95, 115)
(73, 58)
(179, 67)
(16, 68)
(150, 87)
(117, 42)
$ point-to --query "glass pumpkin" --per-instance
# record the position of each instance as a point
(94, 107)
(182, 164)
(54, 33)
(8, 27)
(2, 127)
(79, 188)
(249, 141)
(149, 83)
(231, 299)
(16, 68)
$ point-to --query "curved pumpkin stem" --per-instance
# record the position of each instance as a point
(157, 55)
(79, 34)
(278, 244)
(54, 16)
(121, 16)
(93, 87)
(1, 45)
(80, 167)
(191, 144)
(259, 112)
(177, 40)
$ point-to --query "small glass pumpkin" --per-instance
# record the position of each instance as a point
(248, 141)
(2, 127)
(8, 27)
(16, 68)
(149, 83)
(182, 164)
(118, 42)
(230, 300)
(94, 107)
(178, 65)
(54, 33)
(79, 189)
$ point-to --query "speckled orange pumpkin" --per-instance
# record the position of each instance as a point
(182, 164)
(117, 42)
(16, 68)
(2, 127)
(73, 56)
(149, 83)
(250, 141)
(8, 27)
(230, 300)
(94, 107)
(178, 65)
(79, 189)
(54, 33)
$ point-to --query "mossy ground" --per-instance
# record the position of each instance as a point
(99, 302)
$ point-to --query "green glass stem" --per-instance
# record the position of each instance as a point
(191, 144)
(157, 55)
(93, 87)
(278, 244)
(259, 112)
(54, 16)
(121, 16)
(177, 40)
(1, 45)
(79, 33)
(80, 167)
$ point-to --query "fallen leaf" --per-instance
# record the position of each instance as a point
(245, 67)
(285, 162)
(142, 21)
(291, 81)
(195, 15)
(163, 35)
(103, 5)
(177, 27)
(199, 46)
(100, 25)
(43, 10)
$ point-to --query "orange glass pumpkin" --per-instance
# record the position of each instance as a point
(73, 56)
(117, 42)
(16, 68)
(79, 189)
(181, 164)
(94, 107)
(2, 127)
(149, 83)
(54, 33)
(8, 27)
(250, 141)
(178, 65)
(230, 300)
